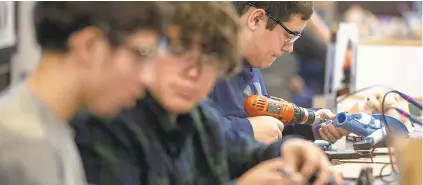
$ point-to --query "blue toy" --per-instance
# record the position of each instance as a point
(371, 127)
(363, 124)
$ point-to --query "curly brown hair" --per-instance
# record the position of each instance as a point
(215, 25)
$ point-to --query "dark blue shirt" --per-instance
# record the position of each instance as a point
(230, 94)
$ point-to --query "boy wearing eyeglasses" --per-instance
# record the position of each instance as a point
(268, 30)
(176, 137)
(95, 56)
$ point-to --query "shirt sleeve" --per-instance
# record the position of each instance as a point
(33, 163)
(244, 152)
(241, 124)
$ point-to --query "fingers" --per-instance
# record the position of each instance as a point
(291, 158)
(312, 157)
(289, 176)
(324, 131)
(281, 126)
(337, 177)
(326, 114)
(322, 135)
(309, 167)
(277, 138)
(273, 164)
(323, 175)
(334, 131)
(278, 167)
(342, 131)
(278, 132)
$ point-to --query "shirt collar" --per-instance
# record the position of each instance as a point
(159, 114)
(246, 73)
(246, 65)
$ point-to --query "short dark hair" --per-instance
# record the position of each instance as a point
(282, 10)
(56, 21)
(217, 25)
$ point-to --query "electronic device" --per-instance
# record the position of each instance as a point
(347, 154)
(287, 112)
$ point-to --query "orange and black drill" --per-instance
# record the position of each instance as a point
(286, 112)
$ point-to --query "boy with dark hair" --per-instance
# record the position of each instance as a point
(268, 30)
(172, 137)
(95, 56)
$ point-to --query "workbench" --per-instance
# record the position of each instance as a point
(410, 156)
(351, 168)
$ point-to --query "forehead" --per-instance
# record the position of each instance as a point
(296, 23)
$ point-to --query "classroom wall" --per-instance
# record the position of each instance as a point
(28, 52)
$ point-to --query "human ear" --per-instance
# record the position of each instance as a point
(82, 45)
(253, 20)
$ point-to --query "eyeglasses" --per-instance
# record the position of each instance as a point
(293, 35)
(143, 53)
(200, 61)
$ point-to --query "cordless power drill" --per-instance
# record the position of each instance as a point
(286, 112)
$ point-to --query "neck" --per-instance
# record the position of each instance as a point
(247, 48)
(55, 84)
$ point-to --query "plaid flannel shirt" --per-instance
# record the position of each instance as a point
(142, 147)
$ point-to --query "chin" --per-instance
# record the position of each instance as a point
(178, 107)
(264, 65)
(104, 111)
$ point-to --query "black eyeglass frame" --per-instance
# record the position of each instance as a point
(296, 35)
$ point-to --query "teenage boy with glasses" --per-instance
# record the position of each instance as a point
(95, 56)
(173, 137)
(268, 30)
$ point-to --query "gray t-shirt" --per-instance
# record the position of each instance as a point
(36, 148)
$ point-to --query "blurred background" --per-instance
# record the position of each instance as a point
(297, 77)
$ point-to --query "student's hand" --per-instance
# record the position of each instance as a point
(266, 129)
(328, 132)
(307, 159)
(269, 172)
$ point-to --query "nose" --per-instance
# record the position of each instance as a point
(194, 66)
(288, 48)
(193, 72)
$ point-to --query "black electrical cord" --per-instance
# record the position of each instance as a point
(384, 122)
(385, 125)
(388, 131)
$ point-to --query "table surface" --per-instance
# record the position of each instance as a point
(351, 168)
(381, 158)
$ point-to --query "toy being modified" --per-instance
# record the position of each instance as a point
(371, 127)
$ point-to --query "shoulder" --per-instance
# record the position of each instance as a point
(19, 119)
(96, 135)
(29, 162)
(230, 81)
(213, 115)
(91, 130)
(210, 109)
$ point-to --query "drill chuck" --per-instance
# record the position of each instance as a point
(287, 112)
